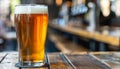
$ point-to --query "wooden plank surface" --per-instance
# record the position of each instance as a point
(111, 59)
(112, 40)
(58, 61)
(9, 61)
(1, 56)
(86, 62)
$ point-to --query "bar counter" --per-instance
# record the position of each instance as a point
(95, 35)
(58, 60)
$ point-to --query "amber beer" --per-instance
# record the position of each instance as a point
(31, 23)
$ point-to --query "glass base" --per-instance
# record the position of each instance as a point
(31, 65)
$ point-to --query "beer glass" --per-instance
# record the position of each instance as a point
(31, 23)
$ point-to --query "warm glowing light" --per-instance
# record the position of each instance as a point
(59, 2)
(105, 7)
(69, 4)
(117, 9)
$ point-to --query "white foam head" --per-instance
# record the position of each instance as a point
(31, 9)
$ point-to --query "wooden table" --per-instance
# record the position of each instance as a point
(81, 60)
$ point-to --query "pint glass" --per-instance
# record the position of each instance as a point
(31, 23)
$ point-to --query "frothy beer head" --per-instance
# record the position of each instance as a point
(31, 9)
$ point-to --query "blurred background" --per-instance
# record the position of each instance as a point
(74, 25)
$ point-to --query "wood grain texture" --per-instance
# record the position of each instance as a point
(2, 56)
(111, 59)
(86, 62)
(57, 61)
